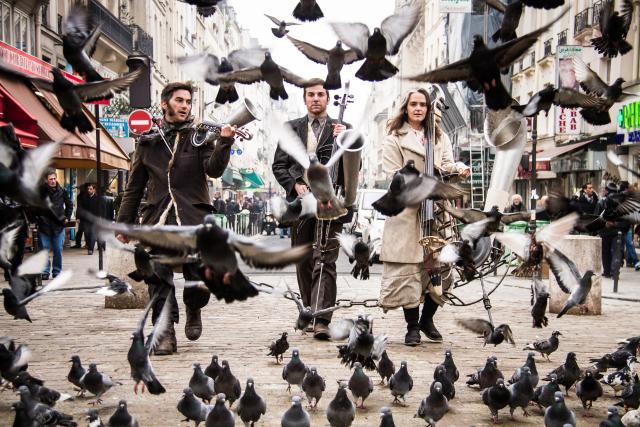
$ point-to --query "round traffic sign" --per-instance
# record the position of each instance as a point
(140, 121)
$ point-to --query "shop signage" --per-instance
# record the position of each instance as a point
(117, 127)
(629, 124)
(567, 120)
(455, 6)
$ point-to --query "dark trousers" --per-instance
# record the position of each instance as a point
(608, 252)
(81, 230)
(317, 273)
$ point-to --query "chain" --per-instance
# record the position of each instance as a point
(343, 303)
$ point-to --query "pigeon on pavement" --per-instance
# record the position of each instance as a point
(567, 373)
(385, 367)
(228, 384)
(543, 396)
(340, 411)
(214, 369)
(630, 396)
(79, 37)
(94, 419)
(251, 406)
(400, 383)
(313, 386)
(558, 415)
(307, 10)
(545, 347)
(334, 59)
(622, 378)
(451, 370)
(220, 415)
(281, 31)
(294, 371)
(448, 388)
(97, 383)
(360, 384)
(614, 27)
(588, 391)
(138, 355)
(521, 392)
(40, 414)
(434, 406)
(386, 418)
(279, 347)
(496, 397)
(191, 408)
(121, 417)
(202, 385)
(296, 416)
(76, 373)
(492, 335)
(613, 418)
(481, 70)
(531, 364)
(487, 376)
(409, 187)
(385, 40)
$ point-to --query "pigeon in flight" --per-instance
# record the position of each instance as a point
(305, 314)
(205, 8)
(512, 13)
(492, 335)
(210, 68)
(569, 98)
(281, 31)
(614, 27)
(481, 70)
(287, 214)
(385, 40)
(539, 299)
(79, 37)
(334, 59)
(359, 252)
(570, 280)
(461, 253)
(71, 96)
(592, 84)
(307, 10)
(269, 72)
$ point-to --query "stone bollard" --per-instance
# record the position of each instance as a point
(121, 263)
(586, 252)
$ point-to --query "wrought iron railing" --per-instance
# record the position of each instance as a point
(143, 42)
(548, 48)
(562, 37)
(581, 21)
(597, 8)
(112, 27)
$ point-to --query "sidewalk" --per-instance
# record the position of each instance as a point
(69, 323)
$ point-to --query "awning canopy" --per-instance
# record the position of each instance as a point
(76, 150)
(553, 152)
(24, 124)
(251, 179)
(232, 177)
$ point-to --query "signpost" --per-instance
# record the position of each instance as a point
(140, 121)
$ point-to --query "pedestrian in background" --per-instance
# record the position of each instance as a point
(91, 206)
(50, 231)
(609, 233)
(218, 204)
(81, 206)
(587, 199)
(516, 204)
(233, 208)
(631, 255)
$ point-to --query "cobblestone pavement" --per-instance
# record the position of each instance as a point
(69, 323)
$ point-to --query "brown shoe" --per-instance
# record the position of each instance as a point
(193, 325)
(167, 344)
(321, 331)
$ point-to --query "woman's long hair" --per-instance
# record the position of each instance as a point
(396, 123)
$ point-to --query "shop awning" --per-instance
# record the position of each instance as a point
(251, 179)
(553, 152)
(24, 124)
(77, 150)
(232, 177)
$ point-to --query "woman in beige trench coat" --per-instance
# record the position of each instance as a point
(405, 281)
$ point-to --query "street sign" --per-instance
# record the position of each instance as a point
(140, 121)
(117, 127)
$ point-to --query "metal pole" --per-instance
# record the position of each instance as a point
(96, 110)
(534, 142)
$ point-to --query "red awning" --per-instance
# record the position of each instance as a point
(25, 125)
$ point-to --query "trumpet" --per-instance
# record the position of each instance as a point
(206, 130)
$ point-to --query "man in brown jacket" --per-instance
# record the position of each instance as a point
(174, 173)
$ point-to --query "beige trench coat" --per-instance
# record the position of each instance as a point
(404, 281)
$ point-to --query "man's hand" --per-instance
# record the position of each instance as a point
(338, 128)
(122, 238)
(301, 188)
(228, 131)
(464, 172)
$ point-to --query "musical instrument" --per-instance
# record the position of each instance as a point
(352, 156)
(206, 130)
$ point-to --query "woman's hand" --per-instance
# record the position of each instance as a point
(464, 172)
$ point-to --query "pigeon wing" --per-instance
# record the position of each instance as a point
(508, 218)
(247, 58)
(518, 243)
(626, 12)
(347, 241)
(341, 329)
(295, 298)
(426, 187)
(34, 264)
(292, 78)
(565, 271)
(59, 281)
(475, 230)
(276, 21)
(556, 230)
(353, 34)
(266, 257)
(313, 53)
(41, 83)
(35, 163)
(94, 91)
(459, 70)
(244, 76)
(160, 327)
(397, 27)
(479, 326)
(203, 67)
(589, 80)
(572, 99)
(325, 311)
(508, 333)
(465, 215)
(8, 240)
(288, 140)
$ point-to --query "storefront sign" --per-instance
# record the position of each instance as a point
(455, 6)
(629, 124)
(567, 119)
(117, 127)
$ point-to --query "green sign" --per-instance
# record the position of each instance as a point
(629, 116)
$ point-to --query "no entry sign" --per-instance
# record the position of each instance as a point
(140, 121)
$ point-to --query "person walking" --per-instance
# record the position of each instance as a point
(50, 231)
(92, 207)
(81, 206)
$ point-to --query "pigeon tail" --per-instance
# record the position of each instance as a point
(312, 14)
(497, 97)
(565, 308)
(332, 82)
(604, 46)
(278, 93)
(154, 387)
(376, 71)
(595, 117)
(137, 276)
(206, 11)
(227, 94)
(279, 34)
(79, 120)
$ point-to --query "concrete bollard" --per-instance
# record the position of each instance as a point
(586, 252)
(121, 263)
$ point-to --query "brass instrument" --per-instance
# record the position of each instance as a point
(351, 163)
(206, 130)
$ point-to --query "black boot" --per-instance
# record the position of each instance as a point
(411, 316)
(426, 320)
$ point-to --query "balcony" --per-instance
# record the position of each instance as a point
(597, 8)
(531, 67)
(112, 27)
(547, 57)
(562, 38)
(547, 48)
(142, 41)
(582, 24)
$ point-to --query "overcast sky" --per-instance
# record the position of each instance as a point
(251, 16)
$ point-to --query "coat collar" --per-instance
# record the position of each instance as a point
(302, 131)
(408, 139)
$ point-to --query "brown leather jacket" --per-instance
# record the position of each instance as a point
(187, 170)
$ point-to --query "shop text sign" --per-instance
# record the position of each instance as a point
(455, 6)
(629, 124)
(567, 120)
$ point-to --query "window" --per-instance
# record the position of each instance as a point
(5, 25)
(21, 35)
(45, 14)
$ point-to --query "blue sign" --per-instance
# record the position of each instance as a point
(236, 151)
(117, 128)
